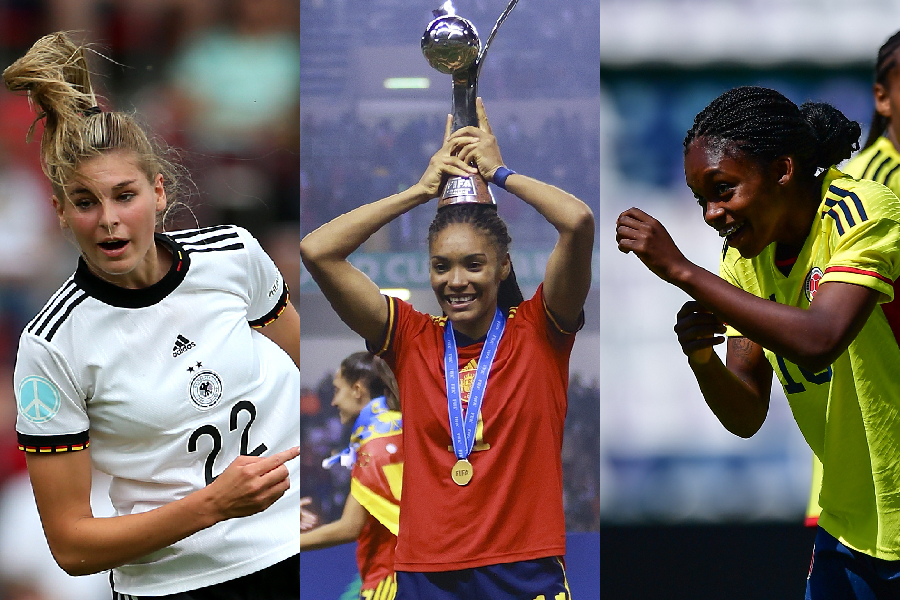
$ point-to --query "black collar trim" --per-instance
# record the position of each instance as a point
(114, 295)
(462, 340)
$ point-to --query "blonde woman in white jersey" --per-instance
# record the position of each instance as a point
(167, 360)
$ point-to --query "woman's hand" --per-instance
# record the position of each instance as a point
(251, 484)
(698, 331)
(638, 232)
(479, 145)
(308, 519)
(444, 164)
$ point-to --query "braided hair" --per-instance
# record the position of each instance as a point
(884, 64)
(485, 219)
(374, 374)
(764, 125)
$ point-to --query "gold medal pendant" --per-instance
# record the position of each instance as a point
(462, 472)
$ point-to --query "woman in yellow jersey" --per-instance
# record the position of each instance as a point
(807, 278)
(365, 394)
(878, 160)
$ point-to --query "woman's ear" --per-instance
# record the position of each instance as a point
(58, 208)
(783, 169)
(882, 100)
(360, 392)
(160, 190)
(505, 267)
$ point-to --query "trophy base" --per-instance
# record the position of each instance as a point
(466, 190)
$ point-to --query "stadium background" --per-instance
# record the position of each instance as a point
(280, 109)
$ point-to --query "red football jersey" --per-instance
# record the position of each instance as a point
(376, 484)
(512, 509)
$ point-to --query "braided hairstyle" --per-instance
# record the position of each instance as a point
(55, 74)
(884, 64)
(764, 125)
(374, 374)
(484, 218)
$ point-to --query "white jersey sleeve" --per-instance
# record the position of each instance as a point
(268, 294)
(52, 413)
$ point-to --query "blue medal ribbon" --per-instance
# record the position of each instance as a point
(365, 425)
(462, 427)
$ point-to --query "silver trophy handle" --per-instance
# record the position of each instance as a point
(451, 45)
(480, 60)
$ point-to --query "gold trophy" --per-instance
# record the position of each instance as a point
(451, 45)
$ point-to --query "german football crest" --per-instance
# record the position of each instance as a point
(205, 389)
(811, 286)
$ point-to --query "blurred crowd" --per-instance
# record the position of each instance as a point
(323, 435)
(385, 158)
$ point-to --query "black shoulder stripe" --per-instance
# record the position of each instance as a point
(204, 240)
(65, 316)
(51, 444)
(275, 312)
(51, 304)
(869, 166)
(209, 240)
(196, 232)
(890, 174)
(883, 164)
(73, 298)
(214, 249)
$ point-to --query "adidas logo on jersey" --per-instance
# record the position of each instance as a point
(182, 345)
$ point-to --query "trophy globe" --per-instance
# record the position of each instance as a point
(450, 44)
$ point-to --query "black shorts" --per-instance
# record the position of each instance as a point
(281, 581)
(540, 578)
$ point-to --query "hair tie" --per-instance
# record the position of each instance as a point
(94, 110)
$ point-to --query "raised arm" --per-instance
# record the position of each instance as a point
(354, 296)
(83, 544)
(812, 338)
(567, 280)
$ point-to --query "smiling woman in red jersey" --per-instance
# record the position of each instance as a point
(482, 387)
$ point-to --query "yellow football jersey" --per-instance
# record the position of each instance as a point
(879, 162)
(855, 428)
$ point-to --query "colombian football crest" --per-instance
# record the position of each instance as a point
(811, 286)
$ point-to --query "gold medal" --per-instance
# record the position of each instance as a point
(462, 472)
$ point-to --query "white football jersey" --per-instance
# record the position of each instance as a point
(168, 385)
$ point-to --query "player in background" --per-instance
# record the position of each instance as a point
(366, 394)
(167, 360)
(807, 274)
(878, 160)
(481, 513)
